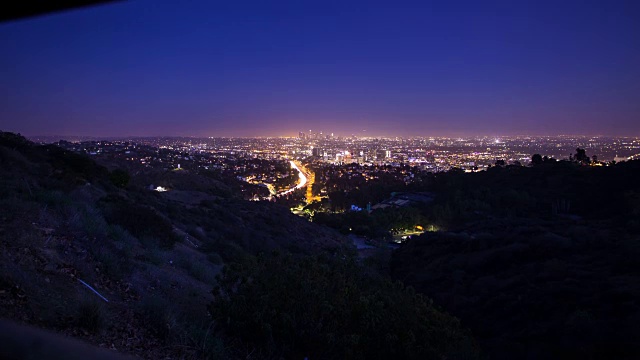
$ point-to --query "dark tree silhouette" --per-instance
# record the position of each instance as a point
(119, 178)
(581, 156)
(536, 159)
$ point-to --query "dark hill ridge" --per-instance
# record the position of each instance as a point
(596, 193)
(540, 262)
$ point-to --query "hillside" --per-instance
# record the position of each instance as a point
(153, 255)
(89, 251)
(540, 262)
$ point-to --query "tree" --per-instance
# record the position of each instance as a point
(316, 188)
(119, 178)
(581, 156)
(338, 200)
(536, 159)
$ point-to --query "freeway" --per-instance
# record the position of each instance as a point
(306, 178)
(302, 180)
(311, 178)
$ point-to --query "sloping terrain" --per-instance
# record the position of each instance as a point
(154, 257)
(191, 273)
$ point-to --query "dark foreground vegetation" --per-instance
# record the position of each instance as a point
(541, 262)
(329, 308)
(195, 272)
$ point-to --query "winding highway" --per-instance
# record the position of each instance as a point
(302, 179)
(306, 178)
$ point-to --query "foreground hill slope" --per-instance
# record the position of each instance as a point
(153, 256)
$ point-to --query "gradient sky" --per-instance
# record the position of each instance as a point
(247, 68)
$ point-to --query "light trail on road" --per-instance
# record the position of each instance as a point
(302, 183)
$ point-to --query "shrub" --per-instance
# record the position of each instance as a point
(122, 240)
(159, 314)
(93, 223)
(113, 262)
(71, 162)
(140, 221)
(119, 178)
(296, 307)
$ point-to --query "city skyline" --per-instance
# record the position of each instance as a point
(429, 152)
(253, 69)
(322, 136)
(293, 134)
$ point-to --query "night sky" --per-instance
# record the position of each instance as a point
(262, 68)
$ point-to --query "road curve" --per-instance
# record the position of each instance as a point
(301, 183)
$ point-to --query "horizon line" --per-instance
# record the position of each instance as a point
(108, 137)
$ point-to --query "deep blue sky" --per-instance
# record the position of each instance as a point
(245, 68)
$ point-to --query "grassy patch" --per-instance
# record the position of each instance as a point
(159, 315)
(91, 316)
(113, 263)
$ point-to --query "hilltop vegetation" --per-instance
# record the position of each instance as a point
(540, 262)
(156, 257)
(545, 191)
